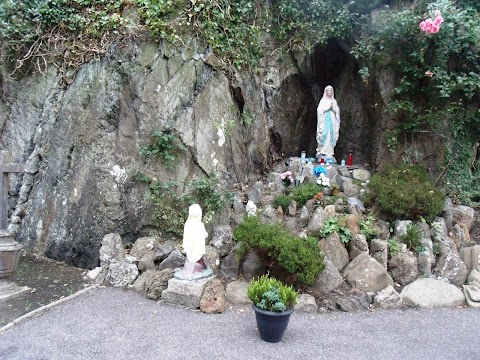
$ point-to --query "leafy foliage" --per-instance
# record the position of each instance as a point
(165, 145)
(304, 192)
(75, 31)
(271, 294)
(170, 204)
(282, 200)
(336, 225)
(405, 192)
(393, 247)
(438, 80)
(367, 227)
(412, 238)
(283, 253)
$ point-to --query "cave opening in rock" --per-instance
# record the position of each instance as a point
(296, 118)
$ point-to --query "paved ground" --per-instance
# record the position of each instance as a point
(48, 280)
(110, 323)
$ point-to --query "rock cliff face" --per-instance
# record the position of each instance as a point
(80, 143)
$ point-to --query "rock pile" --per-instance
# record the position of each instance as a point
(358, 275)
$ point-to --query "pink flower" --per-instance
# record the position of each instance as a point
(435, 29)
(429, 73)
(438, 13)
(422, 25)
(438, 20)
(428, 22)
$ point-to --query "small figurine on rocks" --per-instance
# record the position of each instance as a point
(194, 235)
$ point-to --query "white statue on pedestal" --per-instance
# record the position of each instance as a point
(328, 123)
(194, 235)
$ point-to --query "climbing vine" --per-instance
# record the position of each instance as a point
(70, 32)
(433, 49)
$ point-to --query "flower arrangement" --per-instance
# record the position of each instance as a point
(430, 26)
(286, 177)
(323, 180)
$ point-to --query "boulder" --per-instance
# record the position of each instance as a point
(351, 223)
(404, 268)
(252, 266)
(450, 266)
(430, 293)
(111, 249)
(185, 292)
(329, 279)
(400, 228)
(382, 229)
(175, 260)
(211, 258)
(387, 298)
(474, 277)
(425, 262)
(463, 215)
(306, 303)
(357, 245)
(120, 273)
(460, 235)
(139, 284)
(367, 274)
(292, 208)
(164, 249)
(236, 292)
(379, 251)
(157, 282)
(447, 213)
(361, 174)
(334, 250)
(213, 298)
(471, 257)
(268, 216)
(143, 246)
(304, 217)
(222, 239)
(146, 262)
(230, 265)
(316, 223)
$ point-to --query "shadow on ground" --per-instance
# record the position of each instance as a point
(49, 281)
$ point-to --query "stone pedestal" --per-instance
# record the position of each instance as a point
(9, 252)
(185, 292)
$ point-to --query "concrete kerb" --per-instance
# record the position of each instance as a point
(43, 309)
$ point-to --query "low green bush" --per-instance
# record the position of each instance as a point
(301, 194)
(282, 200)
(405, 192)
(290, 257)
(412, 238)
(336, 225)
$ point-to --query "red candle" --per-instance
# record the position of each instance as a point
(350, 159)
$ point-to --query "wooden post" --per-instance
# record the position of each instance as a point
(6, 167)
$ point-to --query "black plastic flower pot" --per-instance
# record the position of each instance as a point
(272, 325)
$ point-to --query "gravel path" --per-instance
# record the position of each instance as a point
(110, 323)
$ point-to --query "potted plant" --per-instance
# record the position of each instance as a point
(273, 304)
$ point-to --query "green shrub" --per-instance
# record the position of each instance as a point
(336, 225)
(164, 145)
(287, 256)
(412, 238)
(282, 200)
(271, 294)
(405, 192)
(367, 227)
(393, 247)
(304, 192)
(170, 207)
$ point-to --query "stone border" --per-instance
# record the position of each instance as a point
(43, 309)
